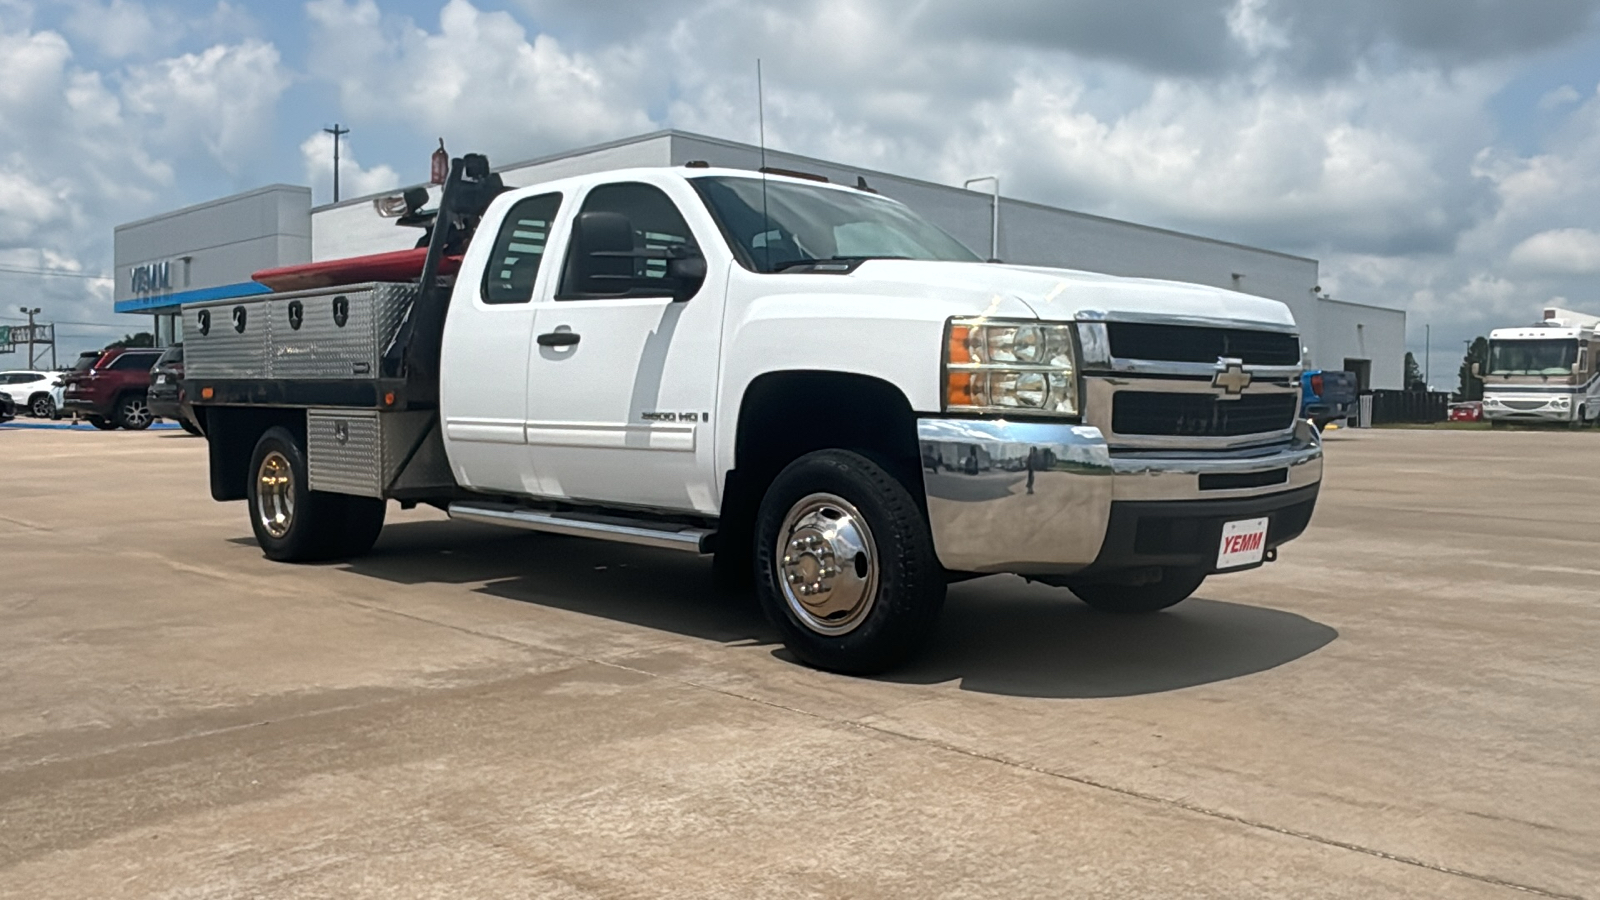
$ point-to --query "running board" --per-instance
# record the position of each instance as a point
(644, 532)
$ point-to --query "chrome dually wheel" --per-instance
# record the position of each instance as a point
(275, 493)
(829, 564)
(845, 567)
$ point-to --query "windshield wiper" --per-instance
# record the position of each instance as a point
(796, 263)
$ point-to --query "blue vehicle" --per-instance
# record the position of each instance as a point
(1327, 396)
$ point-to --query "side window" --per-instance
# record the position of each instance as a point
(131, 361)
(657, 225)
(514, 261)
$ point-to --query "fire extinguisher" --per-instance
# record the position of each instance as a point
(441, 164)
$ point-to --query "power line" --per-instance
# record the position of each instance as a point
(60, 273)
(79, 324)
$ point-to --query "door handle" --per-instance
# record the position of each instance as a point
(558, 339)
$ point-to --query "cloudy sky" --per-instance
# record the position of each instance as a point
(1440, 155)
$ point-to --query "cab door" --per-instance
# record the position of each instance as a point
(487, 335)
(622, 375)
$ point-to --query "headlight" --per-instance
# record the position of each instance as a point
(999, 366)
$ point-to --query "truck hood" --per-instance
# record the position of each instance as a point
(1069, 294)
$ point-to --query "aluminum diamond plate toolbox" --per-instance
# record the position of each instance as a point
(360, 451)
(324, 334)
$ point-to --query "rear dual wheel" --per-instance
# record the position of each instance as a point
(293, 523)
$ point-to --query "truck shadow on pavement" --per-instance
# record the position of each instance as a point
(998, 635)
(1002, 635)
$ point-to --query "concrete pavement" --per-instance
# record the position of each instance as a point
(1403, 705)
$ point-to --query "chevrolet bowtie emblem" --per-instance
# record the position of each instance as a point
(1231, 377)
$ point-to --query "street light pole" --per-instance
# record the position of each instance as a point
(994, 212)
(337, 132)
(30, 313)
(1427, 355)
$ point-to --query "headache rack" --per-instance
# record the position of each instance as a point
(372, 345)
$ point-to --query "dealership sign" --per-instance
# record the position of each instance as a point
(151, 277)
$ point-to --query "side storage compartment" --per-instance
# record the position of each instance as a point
(326, 334)
(362, 451)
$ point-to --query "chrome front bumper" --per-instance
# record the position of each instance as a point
(1037, 498)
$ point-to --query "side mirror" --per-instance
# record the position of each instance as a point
(603, 253)
(686, 274)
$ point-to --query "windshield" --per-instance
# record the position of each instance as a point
(804, 223)
(1546, 357)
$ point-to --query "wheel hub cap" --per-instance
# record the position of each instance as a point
(275, 494)
(828, 566)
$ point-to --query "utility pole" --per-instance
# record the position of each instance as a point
(337, 132)
(1427, 355)
(30, 313)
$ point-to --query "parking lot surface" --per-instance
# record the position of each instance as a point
(1405, 704)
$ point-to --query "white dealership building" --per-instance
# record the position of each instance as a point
(209, 251)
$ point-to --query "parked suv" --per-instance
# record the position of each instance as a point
(114, 391)
(167, 399)
(34, 392)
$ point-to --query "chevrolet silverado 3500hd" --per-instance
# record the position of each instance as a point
(807, 380)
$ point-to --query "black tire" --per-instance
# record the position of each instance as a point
(1175, 586)
(902, 585)
(312, 525)
(102, 423)
(190, 427)
(133, 412)
(43, 406)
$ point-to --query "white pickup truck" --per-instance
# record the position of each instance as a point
(806, 380)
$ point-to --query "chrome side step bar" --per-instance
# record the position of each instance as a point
(643, 532)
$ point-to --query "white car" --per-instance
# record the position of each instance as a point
(36, 393)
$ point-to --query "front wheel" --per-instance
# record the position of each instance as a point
(845, 564)
(190, 427)
(293, 523)
(1175, 586)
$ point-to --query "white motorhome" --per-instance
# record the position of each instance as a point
(1545, 372)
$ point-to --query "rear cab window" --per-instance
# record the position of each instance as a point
(519, 249)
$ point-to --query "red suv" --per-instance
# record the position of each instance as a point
(113, 392)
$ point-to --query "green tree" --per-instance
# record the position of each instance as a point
(1414, 380)
(141, 339)
(1471, 387)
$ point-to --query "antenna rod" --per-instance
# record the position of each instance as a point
(766, 217)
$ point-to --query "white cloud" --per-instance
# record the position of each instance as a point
(1564, 95)
(354, 181)
(479, 81)
(1560, 251)
(224, 97)
(120, 28)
